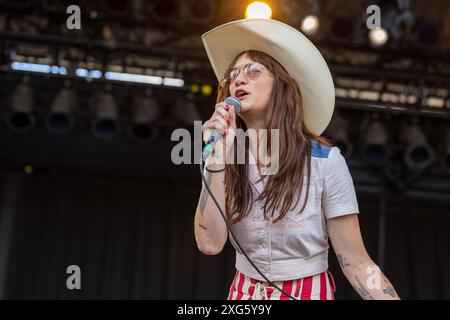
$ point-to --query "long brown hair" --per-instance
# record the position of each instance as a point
(284, 112)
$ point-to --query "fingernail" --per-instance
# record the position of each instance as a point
(228, 122)
(226, 107)
(226, 131)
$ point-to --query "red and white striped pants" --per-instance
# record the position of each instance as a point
(316, 287)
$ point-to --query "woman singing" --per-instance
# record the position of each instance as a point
(282, 220)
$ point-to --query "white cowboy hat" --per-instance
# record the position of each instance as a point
(290, 48)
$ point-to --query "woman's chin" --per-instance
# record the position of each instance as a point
(245, 106)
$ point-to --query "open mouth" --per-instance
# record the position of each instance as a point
(241, 94)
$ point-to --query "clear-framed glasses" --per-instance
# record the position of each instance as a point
(252, 70)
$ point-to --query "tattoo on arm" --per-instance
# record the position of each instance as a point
(390, 291)
(205, 194)
(202, 226)
(342, 261)
(361, 289)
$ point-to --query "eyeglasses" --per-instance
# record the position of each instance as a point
(251, 70)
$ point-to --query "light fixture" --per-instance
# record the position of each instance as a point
(60, 119)
(396, 17)
(145, 113)
(310, 24)
(105, 124)
(206, 89)
(258, 9)
(418, 152)
(21, 119)
(378, 37)
(374, 149)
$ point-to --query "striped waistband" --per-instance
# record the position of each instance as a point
(316, 287)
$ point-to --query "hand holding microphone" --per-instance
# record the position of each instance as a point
(223, 118)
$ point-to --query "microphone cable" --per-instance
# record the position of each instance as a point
(202, 165)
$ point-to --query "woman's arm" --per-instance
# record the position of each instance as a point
(362, 273)
(210, 230)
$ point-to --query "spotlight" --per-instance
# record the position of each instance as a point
(21, 119)
(258, 9)
(396, 17)
(105, 124)
(28, 169)
(145, 113)
(195, 88)
(378, 37)
(418, 153)
(374, 149)
(61, 120)
(206, 89)
(310, 24)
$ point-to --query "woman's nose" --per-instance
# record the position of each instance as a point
(241, 78)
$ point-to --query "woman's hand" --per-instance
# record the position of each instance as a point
(223, 120)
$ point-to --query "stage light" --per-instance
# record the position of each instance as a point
(20, 119)
(28, 169)
(310, 24)
(418, 153)
(145, 113)
(206, 89)
(173, 82)
(85, 73)
(374, 150)
(38, 67)
(195, 88)
(396, 17)
(258, 9)
(105, 124)
(131, 77)
(61, 120)
(378, 37)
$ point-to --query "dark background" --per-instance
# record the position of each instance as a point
(123, 212)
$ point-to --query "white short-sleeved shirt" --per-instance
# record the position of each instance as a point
(296, 246)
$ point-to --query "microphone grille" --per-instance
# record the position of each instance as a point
(235, 102)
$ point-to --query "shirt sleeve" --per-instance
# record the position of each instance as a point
(338, 197)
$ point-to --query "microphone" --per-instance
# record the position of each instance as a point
(215, 135)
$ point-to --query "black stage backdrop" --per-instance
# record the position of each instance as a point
(133, 239)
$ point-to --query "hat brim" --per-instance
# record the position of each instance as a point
(290, 48)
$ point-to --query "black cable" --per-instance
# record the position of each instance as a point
(231, 232)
